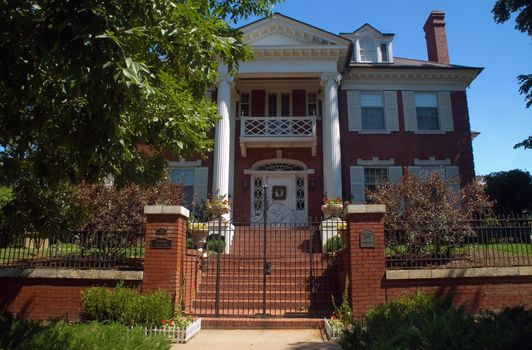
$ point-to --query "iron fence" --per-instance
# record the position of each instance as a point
(481, 242)
(82, 249)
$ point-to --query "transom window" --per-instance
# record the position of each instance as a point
(372, 108)
(427, 111)
(279, 167)
(374, 177)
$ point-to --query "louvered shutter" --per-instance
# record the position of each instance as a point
(201, 176)
(390, 111)
(445, 111)
(354, 113)
(409, 108)
(415, 170)
(395, 173)
(453, 177)
(357, 184)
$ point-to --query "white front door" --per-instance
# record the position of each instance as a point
(286, 198)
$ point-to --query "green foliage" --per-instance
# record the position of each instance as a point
(511, 191)
(126, 306)
(99, 87)
(421, 321)
(215, 244)
(343, 313)
(6, 196)
(334, 244)
(26, 335)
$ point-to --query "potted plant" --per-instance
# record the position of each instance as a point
(198, 233)
(217, 205)
(332, 206)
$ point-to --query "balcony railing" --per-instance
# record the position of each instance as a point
(278, 132)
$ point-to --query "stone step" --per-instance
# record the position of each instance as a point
(261, 323)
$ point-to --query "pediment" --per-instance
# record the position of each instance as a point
(279, 30)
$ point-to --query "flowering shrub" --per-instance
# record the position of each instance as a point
(178, 322)
(217, 204)
(329, 201)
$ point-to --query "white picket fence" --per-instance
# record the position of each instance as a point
(177, 335)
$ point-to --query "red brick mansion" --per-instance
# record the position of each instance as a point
(320, 114)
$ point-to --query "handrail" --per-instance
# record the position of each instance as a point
(278, 126)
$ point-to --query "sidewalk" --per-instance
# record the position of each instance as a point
(285, 339)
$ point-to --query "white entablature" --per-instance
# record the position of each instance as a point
(278, 39)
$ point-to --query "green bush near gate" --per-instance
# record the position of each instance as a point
(126, 306)
(422, 321)
(26, 335)
(334, 244)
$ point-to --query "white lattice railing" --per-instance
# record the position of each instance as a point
(278, 126)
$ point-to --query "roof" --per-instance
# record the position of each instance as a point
(372, 27)
(400, 62)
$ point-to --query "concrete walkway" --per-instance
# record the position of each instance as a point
(285, 339)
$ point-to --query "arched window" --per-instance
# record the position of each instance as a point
(368, 50)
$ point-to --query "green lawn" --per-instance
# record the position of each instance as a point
(521, 249)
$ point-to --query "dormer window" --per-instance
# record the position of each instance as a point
(384, 52)
(368, 50)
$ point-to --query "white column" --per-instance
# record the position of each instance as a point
(222, 144)
(332, 168)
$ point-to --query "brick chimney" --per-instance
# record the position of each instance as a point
(436, 38)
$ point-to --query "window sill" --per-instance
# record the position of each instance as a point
(429, 132)
(375, 132)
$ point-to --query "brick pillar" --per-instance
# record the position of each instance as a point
(365, 256)
(166, 233)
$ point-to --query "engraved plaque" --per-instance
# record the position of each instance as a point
(160, 243)
(367, 239)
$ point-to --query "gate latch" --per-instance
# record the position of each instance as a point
(268, 268)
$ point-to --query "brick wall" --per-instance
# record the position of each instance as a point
(405, 147)
(47, 298)
(369, 286)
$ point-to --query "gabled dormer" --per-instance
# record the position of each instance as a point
(370, 45)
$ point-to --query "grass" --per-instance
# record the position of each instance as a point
(18, 334)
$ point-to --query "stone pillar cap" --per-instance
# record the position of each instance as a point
(166, 209)
(365, 209)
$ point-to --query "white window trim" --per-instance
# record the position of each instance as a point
(432, 161)
(376, 162)
(278, 102)
(374, 131)
(184, 163)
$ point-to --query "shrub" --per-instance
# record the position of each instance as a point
(215, 243)
(126, 306)
(334, 244)
(429, 215)
(26, 335)
(421, 321)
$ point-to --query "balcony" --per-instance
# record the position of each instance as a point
(277, 132)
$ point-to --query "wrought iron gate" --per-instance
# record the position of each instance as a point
(259, 270)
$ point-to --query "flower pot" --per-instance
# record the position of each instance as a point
(332, 209)
(219, 209)
(199, 236)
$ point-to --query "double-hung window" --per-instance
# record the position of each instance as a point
(372, 109)
(244, 104)
(427, 111)
(184, 177)
(374, 177)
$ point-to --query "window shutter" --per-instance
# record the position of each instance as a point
(299, 103)
(357, 184)
(258, 100)
(415, 170)
(445, 111)
(409, 108)
(354, 113)
(394, 174)
(201, 178)
(390, 111)
(453, 177)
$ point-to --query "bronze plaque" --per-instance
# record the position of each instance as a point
(367, 239)
(160, 243)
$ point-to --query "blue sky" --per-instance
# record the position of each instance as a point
(496, 108)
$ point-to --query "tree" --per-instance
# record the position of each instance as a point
(428, 216)
(511, 191)
(84, 83)
(502, 12)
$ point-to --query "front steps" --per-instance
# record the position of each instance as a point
(261, 323)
